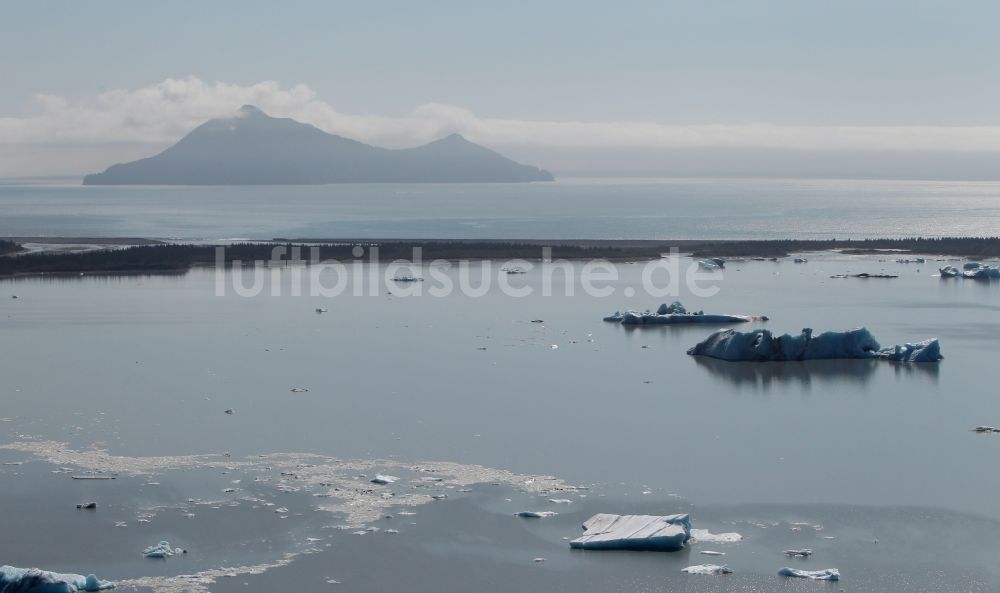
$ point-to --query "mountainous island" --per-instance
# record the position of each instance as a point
(253, 148)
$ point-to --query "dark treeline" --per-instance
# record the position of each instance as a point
(168, 258)
(8, 247)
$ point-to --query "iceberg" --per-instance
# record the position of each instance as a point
(708, 569)
(536, 514)
(161, 550)
(971, 270)
(803, 553)
(34, 580)
(829, 574)
(674, 308)
(712, 263)
(674, 313)
(763, 346)
(651, 533)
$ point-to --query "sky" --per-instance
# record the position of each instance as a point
(583, 87)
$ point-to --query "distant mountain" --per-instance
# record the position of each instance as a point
(253, 148)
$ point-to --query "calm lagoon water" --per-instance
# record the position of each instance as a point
(146, 366)
(569, 209)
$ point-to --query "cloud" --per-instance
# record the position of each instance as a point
(163, 112)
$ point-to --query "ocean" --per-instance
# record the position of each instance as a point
(565, 209)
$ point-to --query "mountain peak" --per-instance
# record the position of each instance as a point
(251, 111)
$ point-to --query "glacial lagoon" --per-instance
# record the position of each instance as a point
(495, 405)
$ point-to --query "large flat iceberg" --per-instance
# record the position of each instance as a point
(652, 533)
(762, 346)
(672, 314)
(33, 580)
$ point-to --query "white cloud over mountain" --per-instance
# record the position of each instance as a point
(161, 113)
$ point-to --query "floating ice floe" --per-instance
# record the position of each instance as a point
(634, 532)
(536, 514)
(985, 429)
(864, 275)
(382, 479)
(803, 553)
(828, 574)
(705, 536)
(971, 270)
(800, 260)
(711, 553)
(674, 313)
(34, 580)
(708, 569)
(407, 279)
(161, 550)
(762, 346)
(712, 263)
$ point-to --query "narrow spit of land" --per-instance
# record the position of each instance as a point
(123, 256)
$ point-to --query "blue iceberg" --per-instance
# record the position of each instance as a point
(34, 580)
(763, 346)
(971, 270)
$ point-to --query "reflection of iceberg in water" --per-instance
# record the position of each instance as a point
(805, 373)
(764, 374)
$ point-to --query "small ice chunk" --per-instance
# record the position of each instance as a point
(383, 479)
(707, 569)
(711, 553)
(634, 532)
(828, 574)
(161, 550)
(536, 514)
(705, 536)
(560, 501)
(803, 553)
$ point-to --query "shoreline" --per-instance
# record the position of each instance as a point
(129, 255)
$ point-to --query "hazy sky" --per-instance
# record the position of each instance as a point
(117, 79)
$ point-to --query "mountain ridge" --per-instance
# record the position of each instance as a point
(253, 148)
